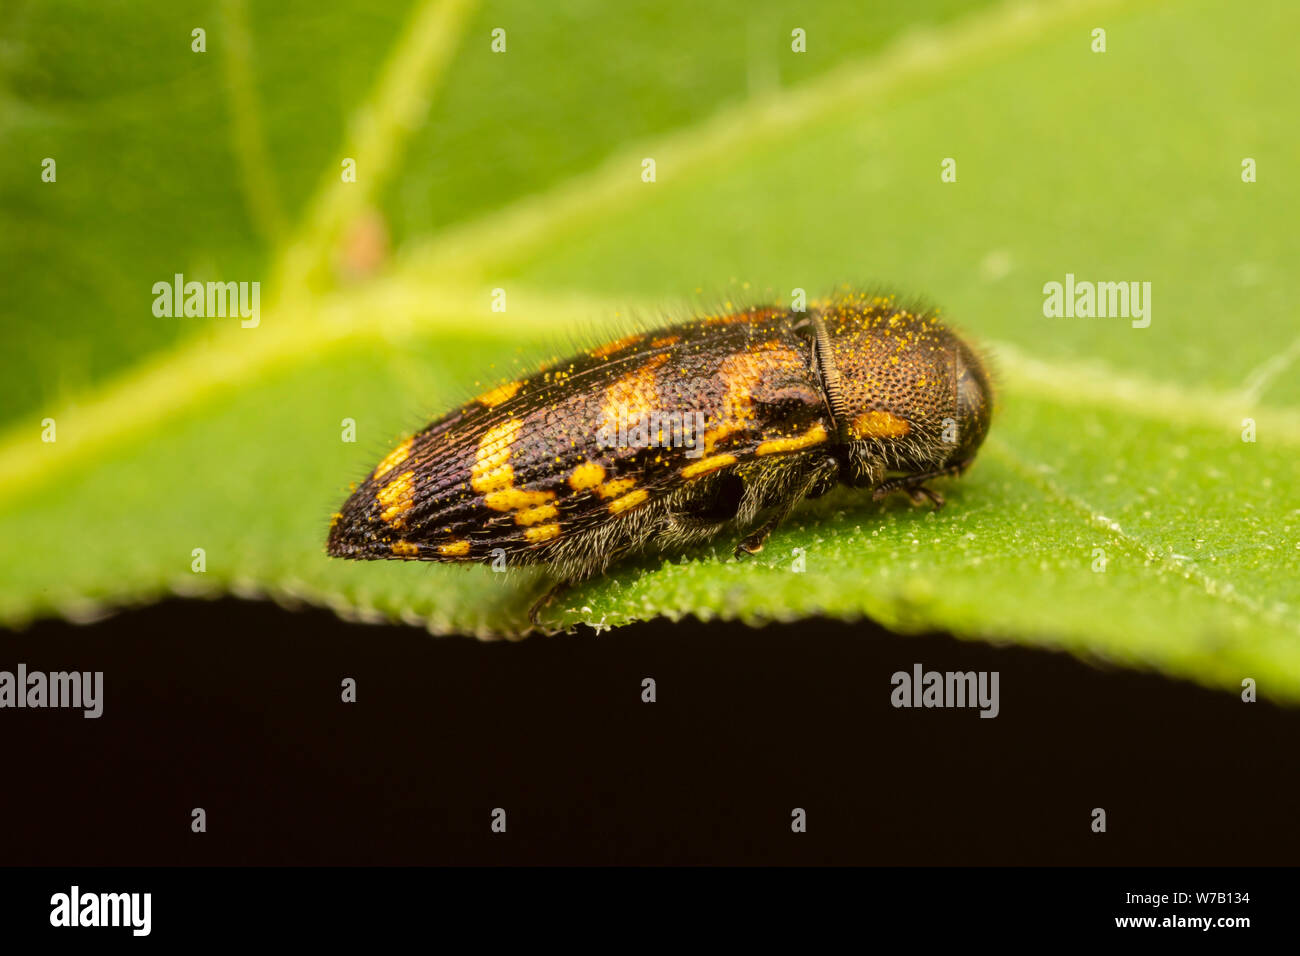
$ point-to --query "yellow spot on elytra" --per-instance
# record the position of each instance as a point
(665, 340)
(396, 497)
(612, 489)
(500, 394)
(631, 398)
(405, 548)
(630, 500)
(493, 476)
(535, 514)
(878, 425)
(335, 518)
(742, 372)
(715, 435)
(706, 465)
(587, 475)
(543, 532)
(394, 458)
(609, 348)
(456, 549)
(513, 499)
(491, 470)
(813, 436)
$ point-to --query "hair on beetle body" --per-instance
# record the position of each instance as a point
(670, 436)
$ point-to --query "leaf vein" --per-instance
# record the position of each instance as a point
(1164, 565)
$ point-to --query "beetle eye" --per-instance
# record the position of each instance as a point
(974, 404)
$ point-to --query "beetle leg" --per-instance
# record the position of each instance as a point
(914, 485)
(753, 542)
(920, 494)
(543, 602)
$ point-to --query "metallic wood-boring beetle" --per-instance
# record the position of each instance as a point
(857, 390)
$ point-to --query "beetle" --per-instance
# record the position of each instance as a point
(592, 459)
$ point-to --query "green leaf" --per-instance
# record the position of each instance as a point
(1114, 447)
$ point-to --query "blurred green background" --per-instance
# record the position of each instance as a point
(775, 170)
